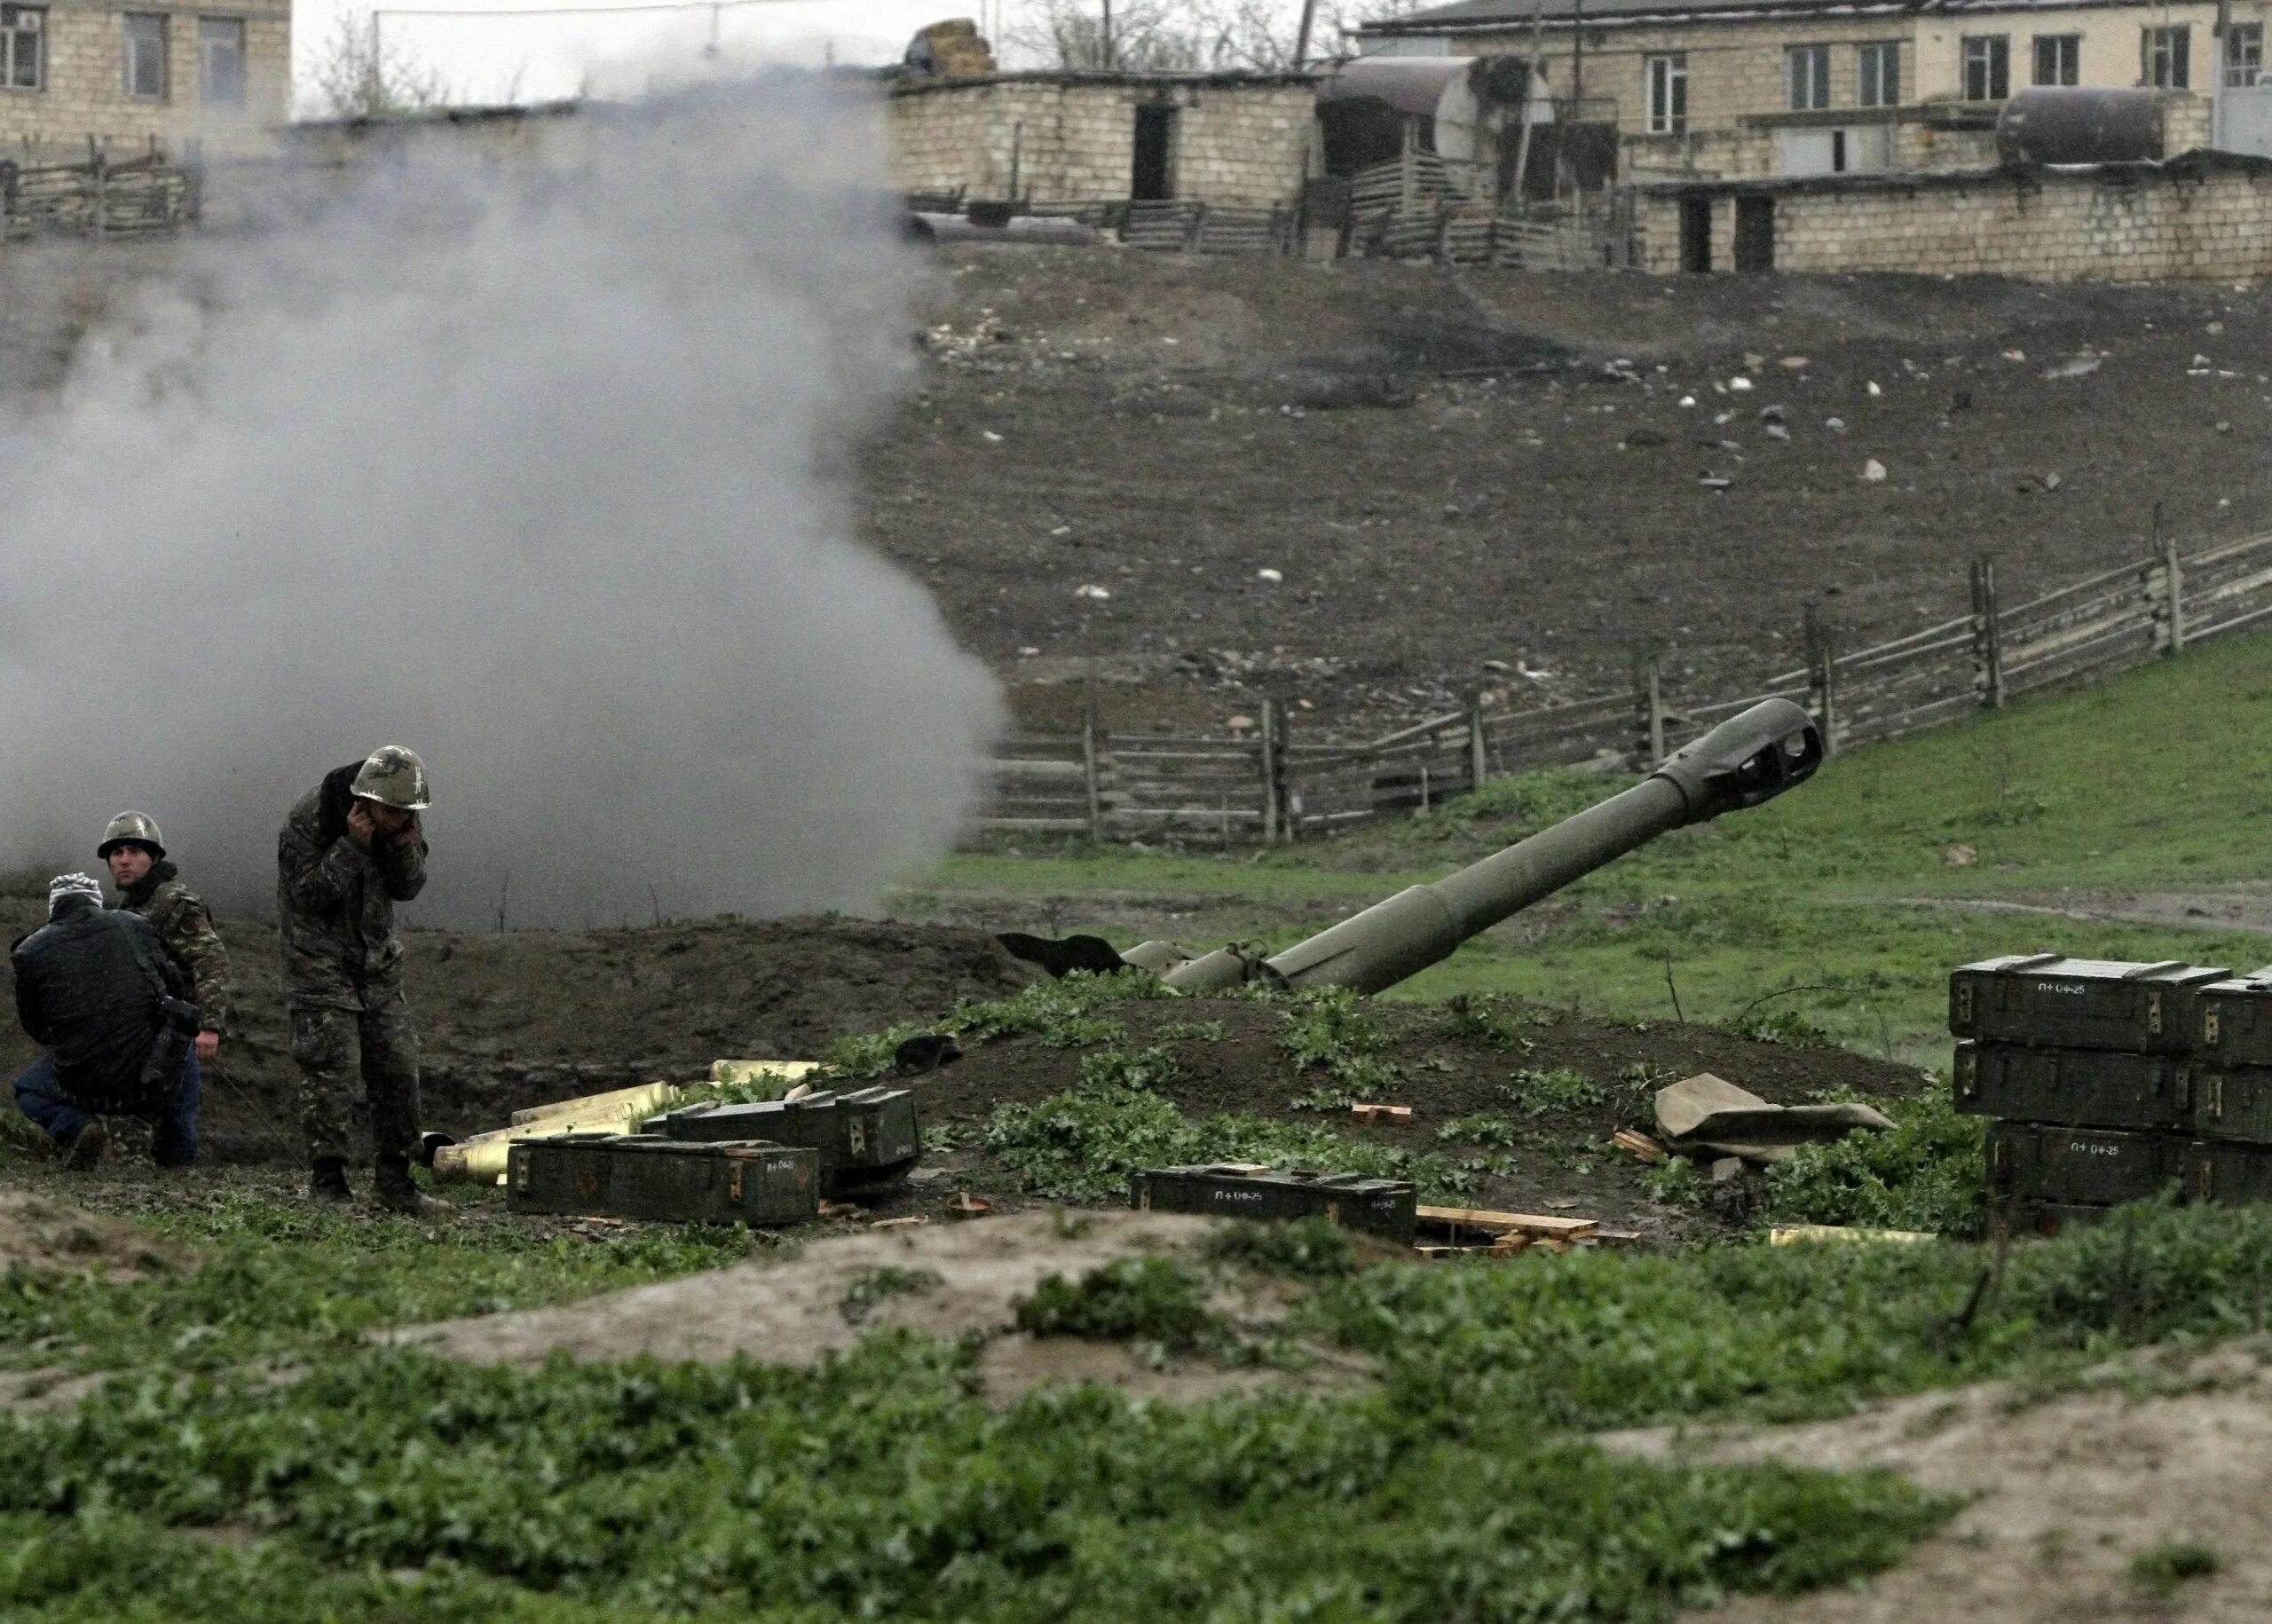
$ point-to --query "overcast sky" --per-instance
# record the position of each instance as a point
(546, 48)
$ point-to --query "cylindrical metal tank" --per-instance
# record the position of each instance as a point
(2072, 125)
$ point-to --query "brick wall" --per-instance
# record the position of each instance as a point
(84, 89)
(1236, 142)
(2123, 225)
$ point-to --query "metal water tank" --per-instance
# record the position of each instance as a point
(2073, 125)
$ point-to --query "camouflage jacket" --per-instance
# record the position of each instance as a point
(185, 928)
(334, 903)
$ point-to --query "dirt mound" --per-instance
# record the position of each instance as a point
(2067, 1495)
(1561, 1159)
(948, 1279)
(518, 1018)
(40, 1235)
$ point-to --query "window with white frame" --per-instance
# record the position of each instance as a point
(2058, 58)
(2166, 57)
(146, 56)
(23, 47)
(1987, 67)
(1669, 94)
(1877, 74)
(1810, 75)
(2244, 54)
(221, 62)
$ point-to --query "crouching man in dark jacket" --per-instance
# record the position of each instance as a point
(95, 989)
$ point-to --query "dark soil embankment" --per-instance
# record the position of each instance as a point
(518, 1019)
(515, 1019)
(1555, 1158)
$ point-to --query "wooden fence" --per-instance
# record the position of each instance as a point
(1267, 785)
(100, 198)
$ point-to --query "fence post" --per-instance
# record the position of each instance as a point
(1266, 770)
(1090, 742)
(1987, 635)
(1649, 700)
(2173, 585)
(1479, 752)
(1822, 678)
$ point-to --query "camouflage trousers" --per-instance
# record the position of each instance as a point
(337, 1047)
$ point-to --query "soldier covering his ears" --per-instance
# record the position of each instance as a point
(350, 849)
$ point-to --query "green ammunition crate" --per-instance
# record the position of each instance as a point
(2041, 1000)
(863, 1135)
(2028, 1162)
(2040, 1218)
(2232, 1102)
(2075, 1088)
(1382, 1207)
(671, 1181)
(563, 1172)
(2222, 1170)
(2232, 1020)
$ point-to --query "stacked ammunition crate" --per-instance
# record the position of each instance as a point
(2113, 1082)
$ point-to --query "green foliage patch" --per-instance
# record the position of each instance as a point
(1329, 1029)
(1082, 1145)
(280, 1278)
(1929, 1173)
(1559, 1088)
(2164, 1570)
(1156, 1301)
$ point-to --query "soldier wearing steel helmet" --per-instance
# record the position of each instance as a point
(349, 851)
(149, 885)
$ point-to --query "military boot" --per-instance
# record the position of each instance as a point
(393, 1189)
(329, 1181)
(86, 1146)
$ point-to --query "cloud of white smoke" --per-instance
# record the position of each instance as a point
(541, 469)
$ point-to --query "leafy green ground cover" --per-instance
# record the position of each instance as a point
(1826, 908)
(387, 1484)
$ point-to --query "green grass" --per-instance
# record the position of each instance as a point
(282, 1280)
(389, 1484)
(1823, 906)
(2165, 1569)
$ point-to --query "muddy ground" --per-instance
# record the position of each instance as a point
(514, 1019)
(1446, 474)
(519, 1019)
(2175, 1448)
(1458, 490)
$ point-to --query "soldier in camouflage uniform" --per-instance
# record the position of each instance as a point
(349, 852)
(149, 885)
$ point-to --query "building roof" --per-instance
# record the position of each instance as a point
(904, 83)
(1498, 16)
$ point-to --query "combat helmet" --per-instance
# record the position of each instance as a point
(393, 776)
(132, 828)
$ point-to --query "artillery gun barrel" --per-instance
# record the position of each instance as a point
(1749, 758)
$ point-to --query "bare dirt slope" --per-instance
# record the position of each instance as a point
(1446, 470)
(514, 1019)
(2069, 1492)
(950, 1282)
(1444, 473)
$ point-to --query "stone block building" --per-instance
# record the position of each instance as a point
(218, 75)
(2207, 216)
(1752, 88)
(1236, 139)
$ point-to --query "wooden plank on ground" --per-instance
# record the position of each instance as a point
(1536, 1226)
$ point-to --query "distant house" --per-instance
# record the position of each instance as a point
(126, 75)
(1735, 89)
(1239, 139)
